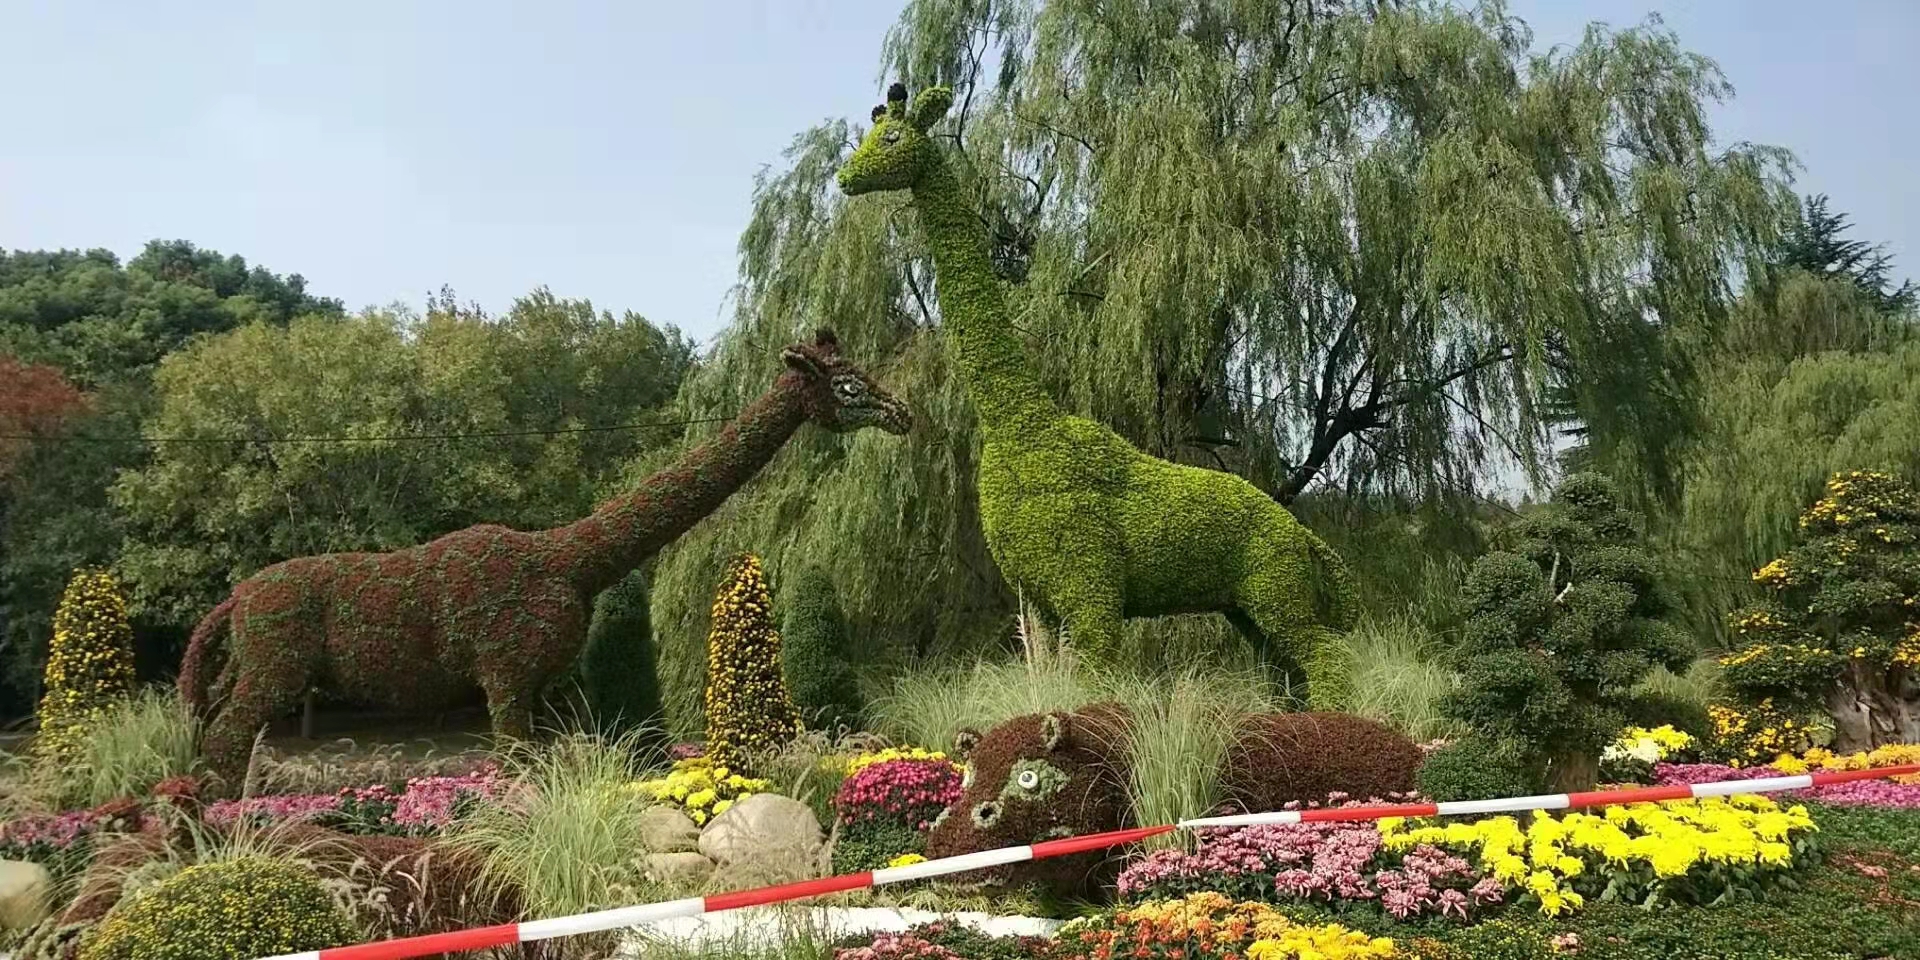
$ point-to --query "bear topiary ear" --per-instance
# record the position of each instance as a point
(1054, 728)
(965, 741)
(930, 106)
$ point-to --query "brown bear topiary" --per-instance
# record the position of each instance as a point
(1046, 776)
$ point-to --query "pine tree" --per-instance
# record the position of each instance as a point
(89, 665)
(749, 710)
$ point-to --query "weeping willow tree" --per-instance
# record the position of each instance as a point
(1811, 377)
(1339, 248)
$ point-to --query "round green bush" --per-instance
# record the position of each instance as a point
(871, 844)
(234, 910)
(1473, 768)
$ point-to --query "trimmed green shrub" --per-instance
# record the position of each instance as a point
(89, 666)
(1472, 768)
(1562, 623)
(618, 674)
(814, 643)
(238, 909)
(871, 844)
(749, 711)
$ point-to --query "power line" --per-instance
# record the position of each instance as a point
(377, 438)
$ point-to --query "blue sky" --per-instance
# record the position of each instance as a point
(607, 150)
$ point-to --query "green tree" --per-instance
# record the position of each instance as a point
(526, 398)
(1815, 246)
(103, 325)
(1837, 631)
(1329, 246)
(1562, 622)
(814, 646)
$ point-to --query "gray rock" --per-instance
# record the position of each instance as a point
(764, 828)
(664, 829)
(686, 869)
(26, 894)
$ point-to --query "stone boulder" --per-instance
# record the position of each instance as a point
(765, 838)
(666, 830)
(679, 869)
(26, 892)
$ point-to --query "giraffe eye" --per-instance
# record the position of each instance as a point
(891, 136)
(847, 389)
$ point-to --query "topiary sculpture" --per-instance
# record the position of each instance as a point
(749, 711)
(619, 674)
(89, 664)
(1048, 775)
(814, 642)
(1074, 515)
(504, 609)
(229, 910)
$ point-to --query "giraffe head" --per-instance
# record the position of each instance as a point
(840, 396)
(897, 150)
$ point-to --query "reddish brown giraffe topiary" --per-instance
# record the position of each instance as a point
(503, 609)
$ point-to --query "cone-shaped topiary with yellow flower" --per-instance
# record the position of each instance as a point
(89, 665)
(749, 710)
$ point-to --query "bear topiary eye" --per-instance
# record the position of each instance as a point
(1028, 779)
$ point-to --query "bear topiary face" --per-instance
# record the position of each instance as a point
(1038, 777)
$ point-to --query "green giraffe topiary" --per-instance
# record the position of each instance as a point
(1074, 515)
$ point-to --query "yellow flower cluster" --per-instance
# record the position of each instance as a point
(1820, 758)
(906, 860)
(1907, 651)
(1211, 922)
(1647, 744)
(1757, 621)
(1788, 654)
(862, 761)
(749, 709)
(1755, 733)
(1671, 839)
(1841, 486)
(1774, 574)
(701, 787)
(89, 664)
(1329, 941)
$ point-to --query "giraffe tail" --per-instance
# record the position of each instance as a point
(1336, 600)
(197, 668)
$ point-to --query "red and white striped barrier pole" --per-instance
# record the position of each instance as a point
(482, 938)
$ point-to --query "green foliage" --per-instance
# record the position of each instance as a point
(89, 668)
(750, 713)
(870, 844)
(1400, 676)
(1807, 382)
(237, 909)
(205, 515)
(1493, 940)
(617, 670)
(1838, 620)
(1561, 625)
(1814, 245)
(136, 743)
(564, 842)
(814, 644)
(1475, 768)
(1180, 269)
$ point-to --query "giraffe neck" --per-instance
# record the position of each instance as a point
(615, 539)
(1006, 393)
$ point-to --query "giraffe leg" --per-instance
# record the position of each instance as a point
(1280, 603)
(269, 670)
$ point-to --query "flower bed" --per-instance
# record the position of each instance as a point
(1210, 926)
(424, 805)
(701, 788)
(884, 808)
